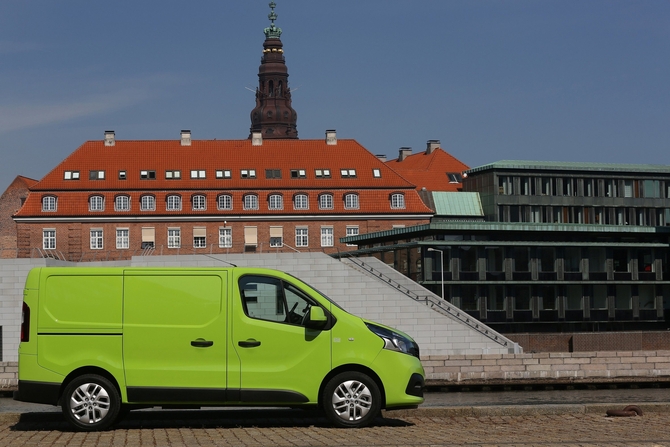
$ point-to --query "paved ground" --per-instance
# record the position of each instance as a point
(286, 428)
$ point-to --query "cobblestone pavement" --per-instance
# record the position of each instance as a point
(299, 428)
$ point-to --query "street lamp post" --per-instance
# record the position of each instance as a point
(441, 266)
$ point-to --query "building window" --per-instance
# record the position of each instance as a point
(96, 175)
(397, 201)
(223, 173)
(225, 237)
(147, 203)
(49, 203)
(326, 236)
(301, 239)
(248, 173)
(454, 177)
(273, 173)
(122, 175)
(276, 236)
(300, 202)
(326, 201)
(96, 239)
(348, 173)
(224, 202)
(199, 203)
(352, 231)
(148, 175)
(199, 237)
(148, 238)
(198, 173)
(173, 175)
(298, 173)
(351, 201)
(276, 202)
(251, 202)
(250, 236)
(122, 238)
(173, 203)
(71, 175)
(49, 239)
(122, 203)
(377, 173)
(322, 173)
(174, 237)
(96, 203)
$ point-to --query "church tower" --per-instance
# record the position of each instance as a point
(273, 115)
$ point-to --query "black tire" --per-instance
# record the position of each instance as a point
(90, 403)
(351, 400)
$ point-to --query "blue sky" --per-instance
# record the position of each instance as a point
(527, 80)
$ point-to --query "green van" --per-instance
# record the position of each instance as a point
(102, 341)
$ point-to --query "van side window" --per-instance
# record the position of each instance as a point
(271, 299)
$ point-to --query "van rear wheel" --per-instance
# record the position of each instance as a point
(351, 400)
(91, 402)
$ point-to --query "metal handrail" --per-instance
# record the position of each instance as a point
(442, 306)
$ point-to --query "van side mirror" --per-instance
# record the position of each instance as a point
(317, 318)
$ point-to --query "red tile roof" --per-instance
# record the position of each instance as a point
(210, 156)
(430, 170)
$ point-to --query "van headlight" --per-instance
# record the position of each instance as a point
(395, 341)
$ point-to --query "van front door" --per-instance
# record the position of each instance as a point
(280, 359)
(174, 336)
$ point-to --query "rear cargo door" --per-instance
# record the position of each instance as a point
(174, 336)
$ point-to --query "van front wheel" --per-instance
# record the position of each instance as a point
(91, 403)
(351, 400)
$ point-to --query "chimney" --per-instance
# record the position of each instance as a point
(331, 137)
(381, 157)
(431, 146)
(256, 139)
(404, 152)
(185, 137)
(109, 138)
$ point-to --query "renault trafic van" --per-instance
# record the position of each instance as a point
(102, 341)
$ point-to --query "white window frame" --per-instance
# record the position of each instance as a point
(96, 239)
(351, 201)
(174, 238)
(224, 202)
(122, 203)
(223, 173)
(327, 237)
(198, 173)
(397, 201)
(49, 238)
(276, 202)
(50, 204)
(147, 203)
(96, 203)
(377, 173)
(352, 230)
(173, 202)
(199, 202)
(326, 201)
(250, 202)
(122, 238)
(301, 237)
(298, 202)
(225, 237)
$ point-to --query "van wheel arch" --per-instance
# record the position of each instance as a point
(87, 370)
(357, 368)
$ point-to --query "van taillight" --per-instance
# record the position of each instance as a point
(25, 323)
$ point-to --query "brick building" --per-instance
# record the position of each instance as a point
(111, 199)
(10, 202)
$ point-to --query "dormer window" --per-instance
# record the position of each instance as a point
(251, 202)
(273, 173)
(351, 201)
(223, 173)
(199, 173)
(173, 203)
(326, 201)
(397, 201)
(454, 177)
(300, 202)
(71, 175)
(122, 203)
(172, 175)
(96, 175)
(248, 173)
(147, 203)
(377, 173)
(348, 173)
(199, 202)
(96, 203)
(49, 203)
(298, 173)
(148, 175)
(275, 202)
(322, 173)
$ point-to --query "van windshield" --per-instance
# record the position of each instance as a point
(321, 293)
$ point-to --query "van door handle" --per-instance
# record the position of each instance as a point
(249, 343)
(201, 343)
